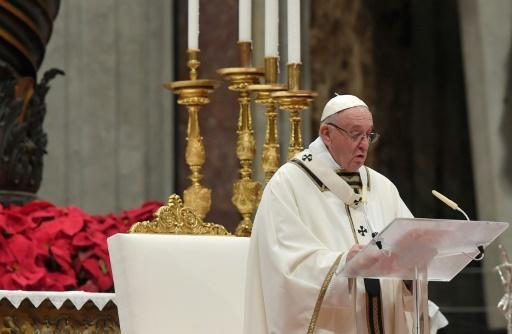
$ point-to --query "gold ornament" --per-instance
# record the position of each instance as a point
(193, 94)
(294, 100)
(245, 189)
(177, 219)
(270, 156)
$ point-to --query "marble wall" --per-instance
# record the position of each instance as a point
(109, 121)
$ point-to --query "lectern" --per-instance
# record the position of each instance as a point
(423, 250)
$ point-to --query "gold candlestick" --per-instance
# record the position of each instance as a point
(294, 100)
(193, 94)
(270, 156)
(246, 191)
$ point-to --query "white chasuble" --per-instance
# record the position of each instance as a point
(300, 239)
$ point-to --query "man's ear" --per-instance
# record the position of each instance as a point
(325, 134)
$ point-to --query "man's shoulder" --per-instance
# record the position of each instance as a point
(289, 170)
(292, 173)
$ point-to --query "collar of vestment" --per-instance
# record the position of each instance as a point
(320, 162)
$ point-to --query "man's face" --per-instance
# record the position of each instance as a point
(346, 137)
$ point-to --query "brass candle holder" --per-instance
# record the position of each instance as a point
(270, 156)
(246, 191)
(193, 94)
(294, 100)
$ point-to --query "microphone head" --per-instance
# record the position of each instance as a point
(445, 200)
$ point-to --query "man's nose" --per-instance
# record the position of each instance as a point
(364, 143)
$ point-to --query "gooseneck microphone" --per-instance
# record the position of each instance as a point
(454, 206)
(449, 202)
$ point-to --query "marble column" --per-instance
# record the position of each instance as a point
(109, 120)
(487, 34)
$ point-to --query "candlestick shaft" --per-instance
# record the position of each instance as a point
(245, 51)
(271, 64)
(196, 196)
(193, 63)
(246, 192)
(295, 134)
(294, 76)
(270, 156)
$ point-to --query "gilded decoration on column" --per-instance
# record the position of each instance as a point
(246, 191)
(504, 271)
(174, 218)
(193, 94)
(294, 100)
(270, 155)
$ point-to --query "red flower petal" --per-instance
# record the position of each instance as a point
(15, 223)
(81, 240)
(73, 222)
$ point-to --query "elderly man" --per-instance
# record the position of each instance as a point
(316, 213)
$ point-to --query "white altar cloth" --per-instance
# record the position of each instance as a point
(179, 283)
(57, 298)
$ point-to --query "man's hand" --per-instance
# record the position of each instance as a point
(353, 251)
(374, 260)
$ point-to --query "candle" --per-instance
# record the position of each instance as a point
(293, 12)
(244, 21)
(271, 28)
(193, 24)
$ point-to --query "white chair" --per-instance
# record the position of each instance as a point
(179, 283)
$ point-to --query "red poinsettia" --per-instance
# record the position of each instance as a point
(18, 267)
(45, 247)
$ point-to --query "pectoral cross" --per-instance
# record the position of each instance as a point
(362, 230)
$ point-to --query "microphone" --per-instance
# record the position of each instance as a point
(455, 206)
(449, 202)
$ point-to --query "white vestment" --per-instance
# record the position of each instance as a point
(300, 238)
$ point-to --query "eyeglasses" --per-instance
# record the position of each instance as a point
(357, 137)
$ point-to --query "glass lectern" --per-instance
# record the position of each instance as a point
(423, 250)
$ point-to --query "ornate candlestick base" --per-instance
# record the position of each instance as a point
(246, 191)
(193, 94)
(294, 101)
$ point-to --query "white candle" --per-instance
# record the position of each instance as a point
(271, 28)
(244, 21)
(193, 24)
(293, 12)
